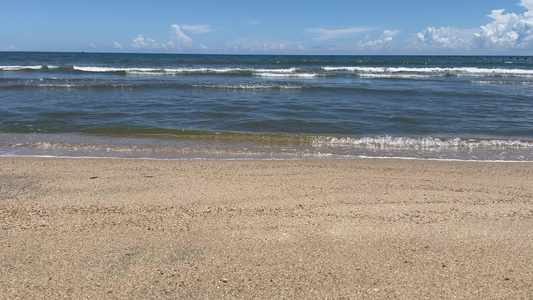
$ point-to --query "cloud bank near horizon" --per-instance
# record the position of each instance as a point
(506, 32)
(178, 40)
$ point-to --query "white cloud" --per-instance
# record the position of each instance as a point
(141, 43)
(323, 34)
(507, 31)
(177, 41)
(197, 28)
(382, 43)
(444, 38)
(11, 48)
(117, 46)
(529, 5)
(266, 46)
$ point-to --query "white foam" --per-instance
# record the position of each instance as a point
(463, 71)
(100, 69)
(501, 82)
(248, 87)
(318, 156)
(349, 69)
(56, 85)
(177, 71)
(290, 70)
(298, 75)
(208, 70)
(75, 86)
(19, 68)
(142, 73)
(394, 76)
(496, 71)
(418, 143)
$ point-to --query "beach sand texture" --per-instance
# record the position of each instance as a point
(335, 229)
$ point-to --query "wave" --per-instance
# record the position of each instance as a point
(394, 76)
(26, 68)
(322, 140)
(401, 72)
(282, 86)
(502, 82)
(152, 71)
(285, 75)
(248, 87)
(61, 83)
(388, 142)
(186, 71)
(68, 86)
(290, 72)
(158, 72)
(172, 144)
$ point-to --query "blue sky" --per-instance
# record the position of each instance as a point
(270, 26)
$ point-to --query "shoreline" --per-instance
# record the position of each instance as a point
(265, 146)
(318, 228)
(225, 158)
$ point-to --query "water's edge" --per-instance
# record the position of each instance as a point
(229, 145)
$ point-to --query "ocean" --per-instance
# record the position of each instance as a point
(180, 106)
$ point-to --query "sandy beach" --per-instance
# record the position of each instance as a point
(316, 229)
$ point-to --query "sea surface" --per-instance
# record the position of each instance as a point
(177, 106)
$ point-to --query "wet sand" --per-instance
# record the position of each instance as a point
(366, 228)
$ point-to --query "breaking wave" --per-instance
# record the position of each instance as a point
(314, 72)
(502, 82)
(418, 142)
(406, 72)
(206, 144)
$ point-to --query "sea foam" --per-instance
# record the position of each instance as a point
(417, 142)
(432, 71)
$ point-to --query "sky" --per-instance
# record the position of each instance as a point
(332, 27)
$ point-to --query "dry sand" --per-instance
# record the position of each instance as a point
(103, 228)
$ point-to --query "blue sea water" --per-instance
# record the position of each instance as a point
(266, 106)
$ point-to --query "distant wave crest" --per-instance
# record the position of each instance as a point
(409, 72)
(314, 72)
